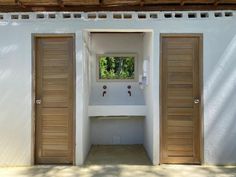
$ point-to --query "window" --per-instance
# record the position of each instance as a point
(116, 67)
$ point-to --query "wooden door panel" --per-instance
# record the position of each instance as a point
(180, 142)
(54, 87)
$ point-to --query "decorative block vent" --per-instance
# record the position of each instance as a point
(228, 14)
(153, 16)
(204, 15)
(192, 15)
(168, 15)
(25, 16)
(178, 15)
(218, 14)
(40, 16)
(102, 16)
(142, 16)
(52, 16)
(91, 16)
(127, 16)
(66, 15)
(14, 17)
(77, 15)
(117, 16)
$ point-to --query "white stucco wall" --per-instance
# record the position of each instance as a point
(86, 94)
(121, 130)
(149, 121)
(219, 60)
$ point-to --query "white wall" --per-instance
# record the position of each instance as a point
(86, 94)
(120, 130)
(117, 92)
(219, 81)
(15, 99)
(149, 122)
(220, 96)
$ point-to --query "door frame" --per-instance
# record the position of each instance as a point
(34, 36)
(201, 106)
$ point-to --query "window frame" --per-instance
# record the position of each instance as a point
(135, 55)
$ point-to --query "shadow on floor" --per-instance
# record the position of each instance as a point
(120, 171)
(119, 161)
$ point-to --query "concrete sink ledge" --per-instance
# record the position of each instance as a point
(115, 110)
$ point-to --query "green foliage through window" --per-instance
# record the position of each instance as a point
(116, 67)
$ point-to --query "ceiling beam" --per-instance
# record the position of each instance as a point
(217, 2)
(20, 8)
(182, 2)
(60, 3)
(141, 3)
(19, 3)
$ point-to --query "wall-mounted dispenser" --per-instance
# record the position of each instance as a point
(143, 78)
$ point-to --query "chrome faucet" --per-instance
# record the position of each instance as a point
(129, 92)
(104, 90)
(103, 93)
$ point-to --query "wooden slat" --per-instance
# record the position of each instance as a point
(180, 147)
(117, 2)
(179, 135)
(39, 2)
(81, 2)
(180, 123)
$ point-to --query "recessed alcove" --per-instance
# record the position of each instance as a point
(117, 109)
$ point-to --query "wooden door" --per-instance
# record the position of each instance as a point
(180, 99)
(54, 100)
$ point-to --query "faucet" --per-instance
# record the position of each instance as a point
(129, 92)
(104, 90)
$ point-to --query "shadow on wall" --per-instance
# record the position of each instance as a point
(119, 171)
(15, 106)
(220, 112)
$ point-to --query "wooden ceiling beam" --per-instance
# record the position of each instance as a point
(121, 2)
(19, 3)
(141, 3)
(60, 3)
(86, 8)
(217, 2)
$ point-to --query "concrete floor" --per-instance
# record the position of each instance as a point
(117, 155)
(120, 171)
(119, 161)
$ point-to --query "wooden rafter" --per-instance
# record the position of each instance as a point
(114, 5)
(141, 3)
(217, 2)
(60, 3)
(18, 2)
(182, 2)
